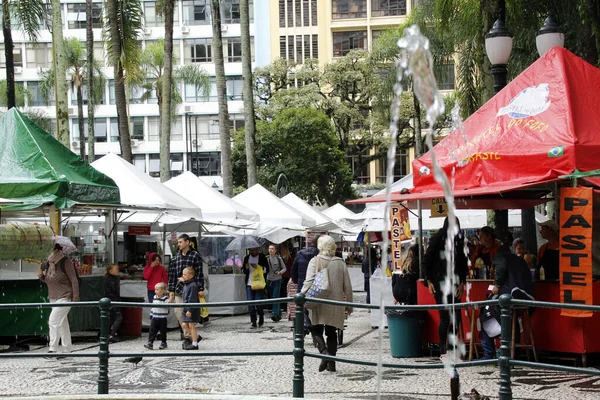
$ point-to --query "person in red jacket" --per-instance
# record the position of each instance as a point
(154, 273)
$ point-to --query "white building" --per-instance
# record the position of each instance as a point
(195, 133)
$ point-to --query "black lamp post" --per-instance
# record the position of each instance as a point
(498, 46)
(548, 36)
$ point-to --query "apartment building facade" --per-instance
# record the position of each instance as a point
(195, 142)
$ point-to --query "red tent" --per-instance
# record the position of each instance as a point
(543, 124)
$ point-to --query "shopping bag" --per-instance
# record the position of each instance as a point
(258, 279)
(203, 310)
(319, 288)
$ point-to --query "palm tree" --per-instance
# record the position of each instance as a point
(59, 63)
(249, 126)
(153, 64)
(224, 131)
(29, 13)
(74, 54)
(165, 108)
(123, 23)
(89, 44)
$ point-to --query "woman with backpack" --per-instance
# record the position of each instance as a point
(60, 277)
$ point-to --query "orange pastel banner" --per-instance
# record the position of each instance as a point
(576, 219)
(400, 230)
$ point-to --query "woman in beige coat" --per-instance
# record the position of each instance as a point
(328, 317)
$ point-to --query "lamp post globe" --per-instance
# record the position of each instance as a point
(498, 46)
(549, 35)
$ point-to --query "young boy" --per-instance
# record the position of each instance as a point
(190, 315)
(159, 317)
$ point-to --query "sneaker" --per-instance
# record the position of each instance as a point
(190, 346)
(162, 346)
(206, 323)
(253, 326)
(113, 339)
(149, 346)
(274, 318)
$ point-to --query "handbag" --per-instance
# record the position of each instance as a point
(258, 279)
(203, 310)
(319, 288)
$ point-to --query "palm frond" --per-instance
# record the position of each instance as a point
(30, 13)
(193, 75)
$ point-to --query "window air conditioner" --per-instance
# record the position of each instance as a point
(147, 31)
(185, 29)
(188, 109)
(71, 111)
(18, 70)
(197, 142)
(224, 28)
(134, 143)
(75, 144)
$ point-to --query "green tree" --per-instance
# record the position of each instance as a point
(123, 23)
(224, 131)
(21, 94)
(300, 143)
(74, 54)
(153, 64)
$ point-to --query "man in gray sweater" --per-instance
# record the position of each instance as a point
(276, 270)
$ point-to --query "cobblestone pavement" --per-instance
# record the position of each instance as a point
(272, 376)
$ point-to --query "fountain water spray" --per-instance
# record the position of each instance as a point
(416, 61)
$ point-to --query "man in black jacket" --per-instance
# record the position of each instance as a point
(434, 263)
(301, 261)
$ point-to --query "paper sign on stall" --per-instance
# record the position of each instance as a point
(400, 230)
(576, 219)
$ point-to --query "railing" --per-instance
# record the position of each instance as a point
(504, 362)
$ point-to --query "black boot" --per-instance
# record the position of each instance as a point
(331, 366)
(320, 342)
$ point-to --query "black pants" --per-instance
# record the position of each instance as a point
(115, 320)
(158, 325)
(331, 333)
(445, 319)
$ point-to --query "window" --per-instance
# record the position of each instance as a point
(307, 47)
(290, 13)
(206, 163)
(400, 167)
(194, 95)
(201, 127)
(85, 96)
(99, 129)
(135, 94)
(342, 9)
(38, 55)
(444, 74)
(236, 122)
(76, 17)
(234, 50)
(343, 42)
(305, 13)
(315, 46)
(153, 129)
(111, 92)
(176, 164)
(17, 56)
(176, 129)
(359, 172)
(290, 48)
(154, 167)
(139, 162)
(234, 87)
(282, 13)
(298, 9)
(136, 128)
(196, 12)
(37, 99)
(299, 49)
(151, 18)
(282, 49)
(198, 50)
(374, 35)
(313, 12)
(230, 11)
(99, 54)
(114, 130)
(387, 8)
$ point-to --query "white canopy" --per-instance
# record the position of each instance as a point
(216, 207)
(141, 190)
(323, 222)
(338, 211)
(278, 221)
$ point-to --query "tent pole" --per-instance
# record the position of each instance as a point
(420, 237)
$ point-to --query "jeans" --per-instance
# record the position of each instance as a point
(255, 295)
(58, 326)
(368, 289)
(150, 295)
(489, 349)
(445, 319)
(158, 325)
(274, 289)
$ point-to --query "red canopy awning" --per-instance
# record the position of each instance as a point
(543, 124)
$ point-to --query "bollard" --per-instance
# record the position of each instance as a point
(505, 392)
(298, 388)
(103, 350)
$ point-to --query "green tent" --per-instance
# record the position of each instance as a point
(36, 169)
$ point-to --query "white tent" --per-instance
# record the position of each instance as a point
(216, 207)
(323, 222)
(338, 211)
(141, 190)
(278, 221)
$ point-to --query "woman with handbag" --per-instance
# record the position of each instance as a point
(256, 266)
(331, 276)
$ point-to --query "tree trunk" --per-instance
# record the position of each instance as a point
(249, 126)
(120, 97)
(80, 117)
(60, 73)
(89, 35)
(165, 107)
(222, 98)
(417, 120)
(8, 54)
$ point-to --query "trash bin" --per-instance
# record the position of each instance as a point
(404, 328)
(132, 318)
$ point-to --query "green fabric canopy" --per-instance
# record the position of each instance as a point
(36, 169)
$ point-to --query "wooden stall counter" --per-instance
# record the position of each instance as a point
(553, 332)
